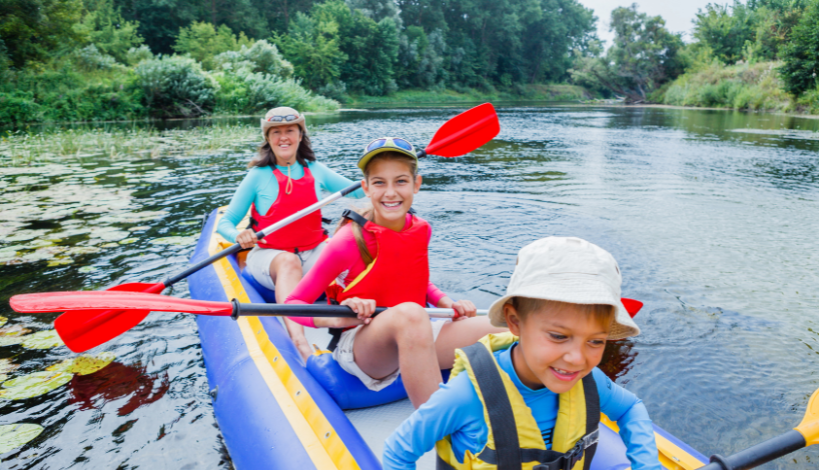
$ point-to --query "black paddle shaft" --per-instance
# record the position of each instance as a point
(293, 310)
(760, 453)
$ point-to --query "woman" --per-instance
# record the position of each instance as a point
(283, 179)
(380, 259)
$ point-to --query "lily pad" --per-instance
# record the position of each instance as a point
(60, 262)
(140, 228)
(33, 385)
(7, 366)
(24, 235)
(88, 269)
(3, 377)
(128, 241)
(12, 340)
(85, 364)
(180, 241)
(14, 330)
(3, 320)
(16, 435)
(43, 340)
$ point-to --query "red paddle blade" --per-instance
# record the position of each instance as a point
(82, 330)
(92, 318)
(113, 300)
(632, 306)
(465, 132)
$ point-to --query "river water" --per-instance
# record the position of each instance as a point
(712, 216)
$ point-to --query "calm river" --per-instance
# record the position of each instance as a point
(713, 217)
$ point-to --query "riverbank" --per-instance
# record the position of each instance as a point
(529, 92)
(743, 87)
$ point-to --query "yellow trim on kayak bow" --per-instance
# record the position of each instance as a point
(320, 440)
(671, 456)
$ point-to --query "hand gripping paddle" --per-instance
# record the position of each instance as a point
(83, 329)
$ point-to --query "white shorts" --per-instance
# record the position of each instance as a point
(259, 259)
(344, 356)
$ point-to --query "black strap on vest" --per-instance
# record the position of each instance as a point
(354, 216)
(501, 417)
(507, 454)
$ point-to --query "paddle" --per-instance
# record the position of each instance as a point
(82, 330)
(806, 434)
(92, 302)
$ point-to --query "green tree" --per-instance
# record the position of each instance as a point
(33, 30)
(801, 55)
(202, 41)
(643, 57)
(725, 29)
(104, 27)
(312, 47)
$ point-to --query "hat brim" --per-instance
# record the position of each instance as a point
(365, 159)
(268, 124)
(623, 325)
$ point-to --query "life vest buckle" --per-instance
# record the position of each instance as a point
(568, 460)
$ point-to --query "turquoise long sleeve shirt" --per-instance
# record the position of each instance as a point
(260, 187)
(455, 410)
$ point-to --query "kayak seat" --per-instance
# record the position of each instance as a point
(347, 390)
(268, 295)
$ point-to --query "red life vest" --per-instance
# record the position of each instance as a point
(301, 235)
(400, 271)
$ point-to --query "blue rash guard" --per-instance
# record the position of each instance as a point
(260, 187)
(455, 410)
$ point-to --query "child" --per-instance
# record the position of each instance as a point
(381, 260)
(538, 385)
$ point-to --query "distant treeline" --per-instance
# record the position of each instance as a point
(120, 59)
(763, 54)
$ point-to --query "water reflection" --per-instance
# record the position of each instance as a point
(709, 214)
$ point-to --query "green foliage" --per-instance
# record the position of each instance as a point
(801, 56)
(725, 31)
(246, 92)
(33, 30)
(743, 86)
(136, 55)
(90, 58)
(202, 41)
(103, 26)
(312, 45)
(643, 57)
(175, 86)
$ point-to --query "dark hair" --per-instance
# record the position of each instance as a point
(266, 157)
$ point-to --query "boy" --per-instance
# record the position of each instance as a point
(534, 395)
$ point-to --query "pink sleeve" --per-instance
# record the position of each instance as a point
(434, 295)
(338, 256)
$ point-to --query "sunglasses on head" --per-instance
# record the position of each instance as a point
(400, 143)
(288, 118)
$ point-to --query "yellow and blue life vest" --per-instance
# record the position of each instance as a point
(514, 440)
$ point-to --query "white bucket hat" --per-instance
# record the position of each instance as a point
(282, 116)
(567, 269)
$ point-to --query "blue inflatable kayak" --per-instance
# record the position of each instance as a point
(276, 412)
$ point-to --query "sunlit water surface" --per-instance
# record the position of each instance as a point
(711, 215)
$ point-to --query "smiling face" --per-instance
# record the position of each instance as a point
(284, 141)
(560, 343)
(391, 186)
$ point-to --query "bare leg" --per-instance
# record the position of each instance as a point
(400, 337)
(459, 334)
(285, 270)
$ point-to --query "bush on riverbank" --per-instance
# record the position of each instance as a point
(534, 92)
(741, 86)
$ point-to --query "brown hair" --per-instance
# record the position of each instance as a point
(602, 313)
(367, 211)
(266, 157)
